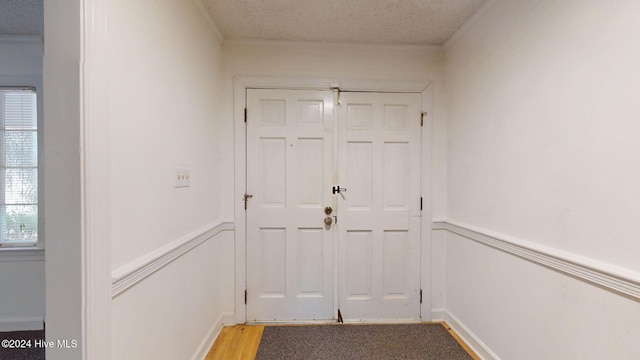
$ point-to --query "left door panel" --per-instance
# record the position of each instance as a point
(290, 269)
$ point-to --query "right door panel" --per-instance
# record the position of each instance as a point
(379, 214)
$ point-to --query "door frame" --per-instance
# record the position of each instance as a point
(240, 86)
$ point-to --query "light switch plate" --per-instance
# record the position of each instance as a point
(182, 178)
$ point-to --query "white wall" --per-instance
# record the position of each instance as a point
(165, 61)
(22, 295)
(164, 69)
(22, 287)
(21, 56)
(62, 167)
(542, 147)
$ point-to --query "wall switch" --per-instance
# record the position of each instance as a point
(182, 178)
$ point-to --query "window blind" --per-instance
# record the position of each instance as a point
(18, 167)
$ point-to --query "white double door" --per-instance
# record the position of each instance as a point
(302, 147)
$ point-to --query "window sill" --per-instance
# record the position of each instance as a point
(11, 254)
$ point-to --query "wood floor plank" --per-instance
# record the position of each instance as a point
(460, 341)
(251, 342)
(232, 350)
(238, 342)
(221, 344)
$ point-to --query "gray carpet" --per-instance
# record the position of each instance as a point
(25, 353)
(411, 341)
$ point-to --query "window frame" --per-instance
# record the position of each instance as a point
(33, 83)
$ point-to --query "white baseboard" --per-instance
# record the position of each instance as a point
(438, 315)
(480, 348)
(22, 324)
(212, 335)
(228, 318)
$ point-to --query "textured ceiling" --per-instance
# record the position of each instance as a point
(424, 22)
(21, 17)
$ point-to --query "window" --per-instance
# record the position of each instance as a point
(18, 167)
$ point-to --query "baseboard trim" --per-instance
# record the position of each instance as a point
(474, 342)
(129, 275)
(22, 324)
(619, 280)
(212, 335)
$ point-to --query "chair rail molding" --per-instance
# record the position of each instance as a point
(128, 275)
(619, 280)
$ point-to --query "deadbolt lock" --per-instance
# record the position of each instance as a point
(328, 210)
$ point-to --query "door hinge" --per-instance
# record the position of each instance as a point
(336, 88)
(422, 115)
(245, 297)
(420, 203)
(340, 317)
(420, 296)
(245, 114)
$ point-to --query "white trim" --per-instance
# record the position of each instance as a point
(95, 186)
(294, 322)
(344, 84)
(21, 254)
(129, 275)
(480, 348)
(21, 39)
(437, 49)
(619, 280)
(22, 324)
(212, 335)
(335, 322)
(22, 81)
(438, 314)
(426, 176)
(384, 321)
(240, 86)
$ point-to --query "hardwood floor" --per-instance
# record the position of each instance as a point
(460, 341)
(242, 341)
(236, 342)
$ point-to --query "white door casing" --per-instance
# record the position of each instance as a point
(290, 269)
(379, 214)
(290, 173)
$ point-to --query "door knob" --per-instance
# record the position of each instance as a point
(328, 220)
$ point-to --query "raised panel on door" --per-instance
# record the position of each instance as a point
(289, 173)
(379, 214)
